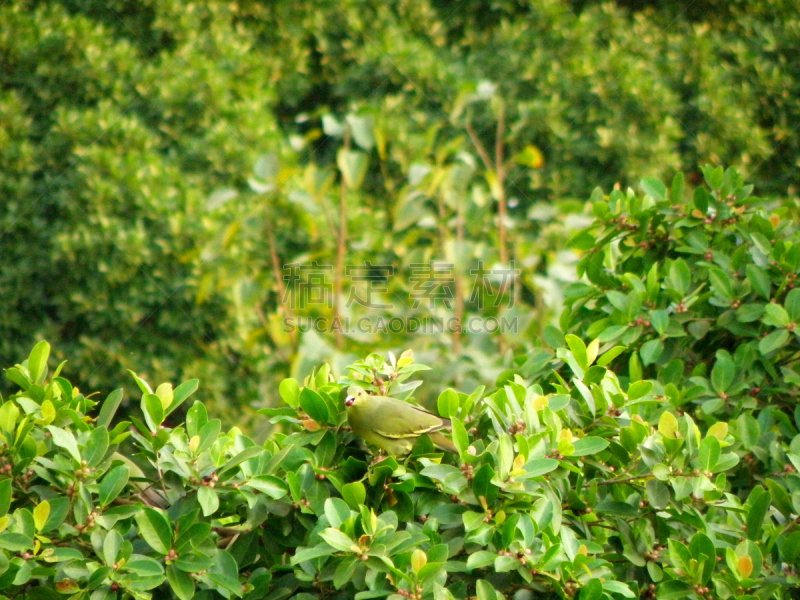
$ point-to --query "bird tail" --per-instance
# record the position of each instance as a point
(442, 442)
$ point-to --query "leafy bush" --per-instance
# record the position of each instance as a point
(701, 292)
(592, 490)
(128, 130)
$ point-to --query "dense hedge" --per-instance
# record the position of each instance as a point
(593, 490)
(135, 138)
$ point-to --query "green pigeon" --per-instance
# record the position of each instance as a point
(391, 424)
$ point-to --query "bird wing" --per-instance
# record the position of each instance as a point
(395, 419)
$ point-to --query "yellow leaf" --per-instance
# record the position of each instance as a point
(718, 430)
(519, 462)
(373, 520)
(194, 443)
(745, 566)
(583, 550)
(4, 523)
(40, 514)
(311, 425)
(500, 517)
(668, 425)
(775, 220)
(539, 402)
(418, 560)
(48, 412)
(592, 350)
(566, 435)
(164, 393)
(531, 156)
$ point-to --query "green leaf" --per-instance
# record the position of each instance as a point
(64, 439)
(96, 446)
(248, 453)
(181, 393)
(679, 277)
(757, 504)
(208, 500)
(775, 315)
(338, 540)
(9, 413)
(654, 188)
(109, 408)
(353, 166)
(723, 373)
(592, 590)
(791, 547)
(112, 484)
(792, 305)
(747, 313)
(153, 411)
(759, 280)
(709, 453)
(16, 542)
(208, 434)
(713, 176)
(181, 583)
(617, 587)
(289, 390)
(472, 520)
(639, 389)
(111, 546)
(540, 466)
(314, 406)
(448, 403)
(196, 419)
(143, 385)
(589, 445)
(37, 361)
(651, 351)
(610, 355)
(578, 349)
(657, 494)
(480, 559)
(721, 283)
(774, 341)
(460, 437)
(270, 485)
(485, 591)
(674, 588)
(362, 129)
(354, 494)
(337, 511)
(780, 497)
(155, 530)
(344, 571)
(5, 496)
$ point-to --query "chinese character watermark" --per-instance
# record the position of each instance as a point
(308, 281)
(375, 278)
(432, 281)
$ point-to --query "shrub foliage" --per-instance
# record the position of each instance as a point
(593, 489)
(658, 460)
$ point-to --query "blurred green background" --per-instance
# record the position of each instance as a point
(160, 163)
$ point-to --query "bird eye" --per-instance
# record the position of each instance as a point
(349, 401)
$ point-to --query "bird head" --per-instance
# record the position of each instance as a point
(354, 395)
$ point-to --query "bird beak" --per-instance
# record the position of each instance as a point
(349, 401)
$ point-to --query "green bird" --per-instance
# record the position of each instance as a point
(391, 424)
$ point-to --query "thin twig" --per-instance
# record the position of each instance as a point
(487, 162)
(341, 247)
(500, 173)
